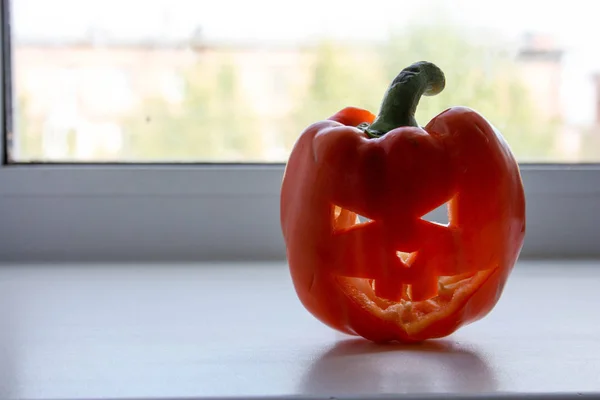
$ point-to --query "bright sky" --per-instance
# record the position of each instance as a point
(574, 23)
(263, 18)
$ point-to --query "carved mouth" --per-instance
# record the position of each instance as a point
(413, 316)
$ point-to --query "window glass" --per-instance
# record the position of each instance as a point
(237, 81)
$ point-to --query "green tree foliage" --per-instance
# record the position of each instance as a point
(590, 145)
(339, 77)
(27, 135)
(211, 123)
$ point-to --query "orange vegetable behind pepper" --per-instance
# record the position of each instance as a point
(397, 276)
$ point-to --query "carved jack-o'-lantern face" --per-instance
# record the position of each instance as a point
(398, 276)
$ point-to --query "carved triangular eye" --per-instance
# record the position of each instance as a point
(344, 218)
(439, 215)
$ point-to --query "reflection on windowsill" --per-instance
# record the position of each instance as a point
(359, 367)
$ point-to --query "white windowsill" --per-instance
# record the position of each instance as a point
(150, 331)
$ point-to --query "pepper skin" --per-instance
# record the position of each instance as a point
(394, 276)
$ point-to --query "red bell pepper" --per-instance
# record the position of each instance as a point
(395, 276)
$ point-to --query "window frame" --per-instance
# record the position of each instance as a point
(204, 212)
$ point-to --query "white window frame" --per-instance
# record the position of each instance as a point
(225, 212)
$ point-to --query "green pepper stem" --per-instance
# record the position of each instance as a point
(402, 97)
